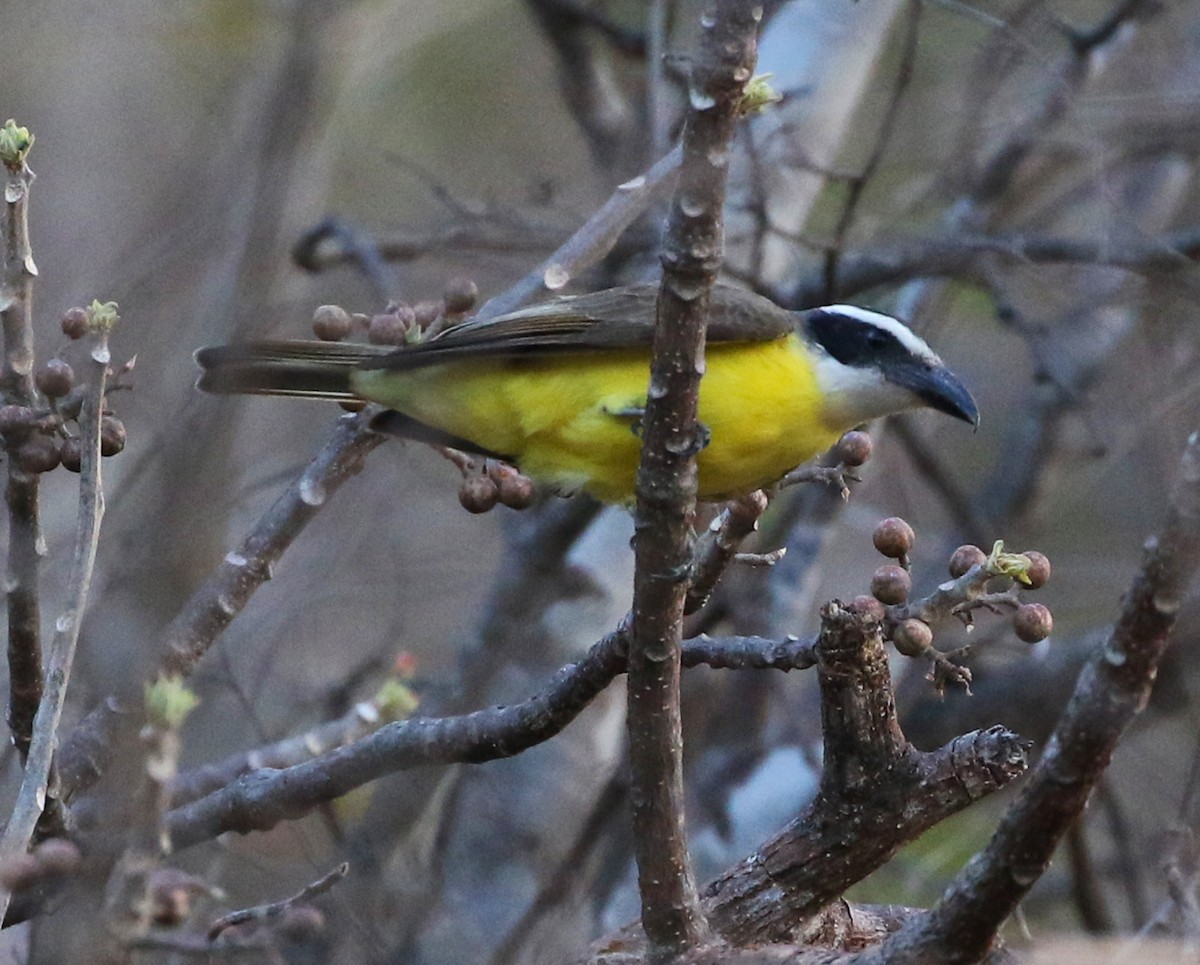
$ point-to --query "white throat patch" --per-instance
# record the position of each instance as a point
(853, 394)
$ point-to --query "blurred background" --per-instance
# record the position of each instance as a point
(1021, 175)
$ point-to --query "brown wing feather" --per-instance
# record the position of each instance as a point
(616, 318)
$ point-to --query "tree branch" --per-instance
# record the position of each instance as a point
(31, 798)
(858, 184)
(877, 793)
(21, 490)
(266, 914)
(953, 254)
(1112, 689)
(610, 123)
(262, 798)
(666, 480)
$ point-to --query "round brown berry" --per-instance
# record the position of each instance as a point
(518, 492)
(331, 323)
(426, 312)
(112, 435)
(170, 903)
(869, 607)
(854, 448)
(387, 329)
(1039, 570)
(478, 493)
(498, 470)
(54, 379)
(515, 491)
(19, 872)
(58, 856)
(460, 295)
(16, 423)
(891, 584)
(963, 558)
(912, 637)
(38, 453)
(893, 537)
(71, 454)
(74, 323)
(1033, 622)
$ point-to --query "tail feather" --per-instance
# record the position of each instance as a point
(318, 370)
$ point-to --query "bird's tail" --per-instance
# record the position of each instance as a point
(318, 370)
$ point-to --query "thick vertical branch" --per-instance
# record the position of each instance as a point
(21, 489)
(1111, 691)
(666, 482)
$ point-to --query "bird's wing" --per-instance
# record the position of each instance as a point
(616, 318)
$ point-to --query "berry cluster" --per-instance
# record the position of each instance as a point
(908, 624)
(399, 323)
(498, 482)
(485, 484)
(38, 438)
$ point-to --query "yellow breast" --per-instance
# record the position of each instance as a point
(568, 419)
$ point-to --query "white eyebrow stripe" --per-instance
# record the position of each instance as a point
(906, 336)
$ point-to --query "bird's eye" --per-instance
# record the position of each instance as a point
(850, 338)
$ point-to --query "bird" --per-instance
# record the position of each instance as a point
(559, 389)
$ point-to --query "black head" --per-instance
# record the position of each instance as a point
(883, 349)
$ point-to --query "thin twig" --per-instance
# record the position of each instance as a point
(1129, 869)
(531, 580)
(332, 242)
(557, 887)
(31, 798)
(267, 913)
(363, 718)
(21, 490)
(590, 91)
(351, 244)
(658, 92)
(961, 254)
(937, 474)
(1086, 889)
(595, 239)
(719, 546)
